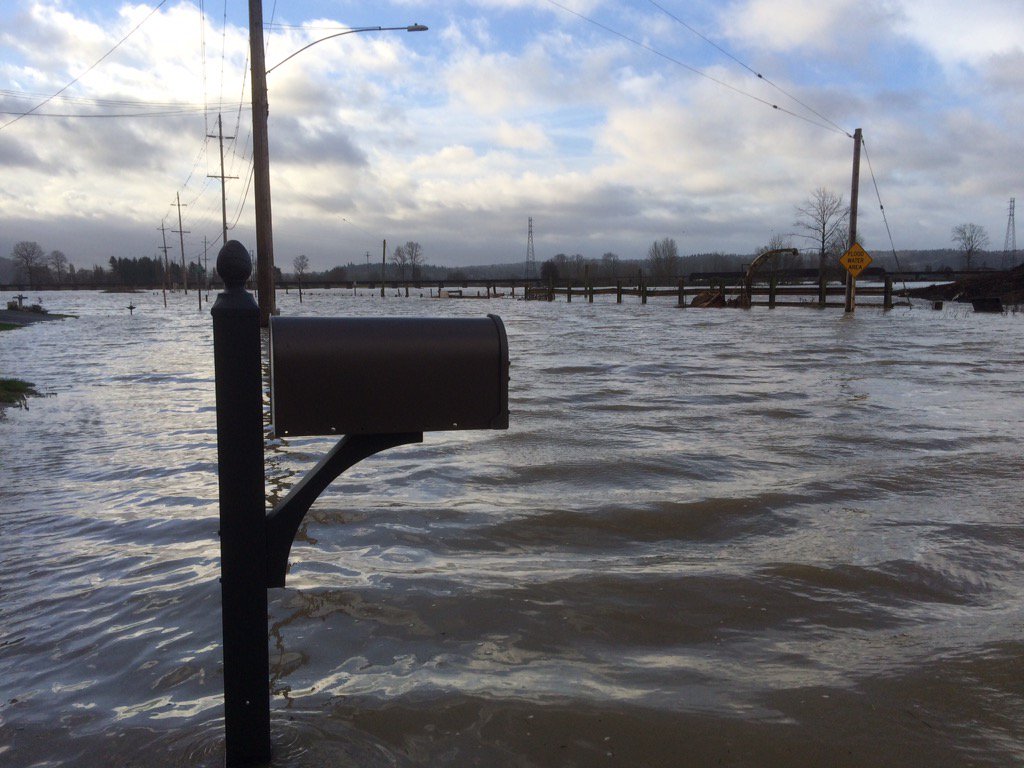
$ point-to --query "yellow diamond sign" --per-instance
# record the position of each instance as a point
(856, 260)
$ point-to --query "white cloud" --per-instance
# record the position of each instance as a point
(528, 136)
(785, 25)
(455, 136)
(956, 32)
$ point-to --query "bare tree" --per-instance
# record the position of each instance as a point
(28, 257)
(970, 238)
(663, 256)
(578, 266)
(58, 263)
(400, 259)
(549, 272)
(300, 264)
(824, 216)
(610, 265)
(414, 255)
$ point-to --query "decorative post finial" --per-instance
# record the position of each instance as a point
(234, 265)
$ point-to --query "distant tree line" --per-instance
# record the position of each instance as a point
(822, 221)
(34, 267)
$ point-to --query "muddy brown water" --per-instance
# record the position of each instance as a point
(709, 537)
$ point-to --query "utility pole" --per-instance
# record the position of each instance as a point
(206, 267)
(851, 285)
(181, 237)
(199, 286)
(167, 271)
(261, 166)
(223, 192)
(383, 265)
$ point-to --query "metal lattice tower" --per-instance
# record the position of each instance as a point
(1010, 245)
(531, 262)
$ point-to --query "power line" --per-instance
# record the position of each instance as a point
(47, 100)
(752, 71)
(100, 102)
(223, 57)
(885, 219)
(103, 115)
(202, 47)
(700, 73)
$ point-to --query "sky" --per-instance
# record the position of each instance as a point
(611, 124)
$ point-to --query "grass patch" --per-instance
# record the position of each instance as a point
(16, 391)
(8, 326)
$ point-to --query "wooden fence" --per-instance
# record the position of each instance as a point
(725, 294)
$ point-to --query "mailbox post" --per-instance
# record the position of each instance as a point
(376, 383)
(243, 537)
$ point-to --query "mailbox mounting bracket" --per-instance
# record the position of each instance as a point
(283, 522)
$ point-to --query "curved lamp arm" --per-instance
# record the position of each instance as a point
(410, 28)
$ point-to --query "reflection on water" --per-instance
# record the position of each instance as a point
(743, 538)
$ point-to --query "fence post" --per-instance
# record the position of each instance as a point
(618, 291)
(568, 293)
(682, 292)
(773, 284)
(887, 295)
(243, 533)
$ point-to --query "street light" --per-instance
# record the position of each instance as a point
(409, 28)
(261, 149)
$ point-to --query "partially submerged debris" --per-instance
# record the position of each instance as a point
(713, 298)
(16, 392)
(988, 291)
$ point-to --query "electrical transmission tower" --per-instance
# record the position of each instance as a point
(531, 261)
(1010, 245)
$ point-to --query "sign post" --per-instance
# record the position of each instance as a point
(855, 260)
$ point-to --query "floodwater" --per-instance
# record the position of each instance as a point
(709, 537)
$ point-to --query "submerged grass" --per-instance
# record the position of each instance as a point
(16, 391)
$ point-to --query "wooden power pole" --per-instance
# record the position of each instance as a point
(261, 166)
(223, 191)
(167, 271)
(851, 284)
(181, 239)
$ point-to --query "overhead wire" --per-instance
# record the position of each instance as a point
(93, 66)
(223, 56)
(91, 101)
(750, 69)
(197, 110)
(252, 158)
(700, 73)
(822, 120)
(202, 46)
(235, 155)
(192, 213)
(878, 194)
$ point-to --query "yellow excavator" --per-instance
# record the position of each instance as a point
(744, 297)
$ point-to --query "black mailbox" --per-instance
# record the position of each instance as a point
(359, 376)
